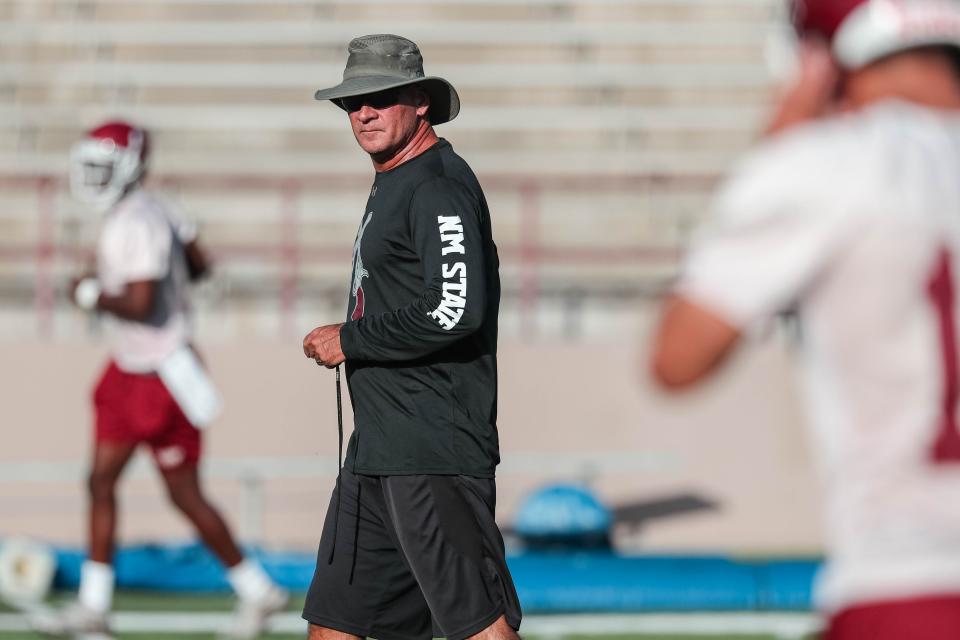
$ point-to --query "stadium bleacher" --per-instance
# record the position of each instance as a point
(598, 129)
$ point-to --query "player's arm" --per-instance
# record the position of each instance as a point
(198, 260)
(771, 232)
(136, 252)
(134, 303)
(690, 343)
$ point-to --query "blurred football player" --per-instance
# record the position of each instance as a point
(153, 392)
(848, 213)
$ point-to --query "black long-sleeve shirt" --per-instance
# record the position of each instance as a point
(421, 332)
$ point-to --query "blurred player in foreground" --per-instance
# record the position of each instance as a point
(417, 542)
(153, 392)
(848, 213)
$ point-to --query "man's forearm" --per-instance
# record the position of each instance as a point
(125, 307)
(135, 303)
(406, 334)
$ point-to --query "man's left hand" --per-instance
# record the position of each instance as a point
(323, 345)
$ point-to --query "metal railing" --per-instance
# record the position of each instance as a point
(528, 257)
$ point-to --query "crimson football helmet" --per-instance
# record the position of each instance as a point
(863, 31)
(108, 160)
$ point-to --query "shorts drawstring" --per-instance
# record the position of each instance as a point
(336, 513)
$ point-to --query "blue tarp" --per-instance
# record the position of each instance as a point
(563, 510)
(596, 581)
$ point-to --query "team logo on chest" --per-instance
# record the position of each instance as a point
(359, 273)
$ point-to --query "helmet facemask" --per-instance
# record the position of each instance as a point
(102, 170)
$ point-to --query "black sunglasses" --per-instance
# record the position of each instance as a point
(379, 100)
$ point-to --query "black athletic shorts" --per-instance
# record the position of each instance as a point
(411, 557)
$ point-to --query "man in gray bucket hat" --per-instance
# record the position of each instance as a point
(410, 548)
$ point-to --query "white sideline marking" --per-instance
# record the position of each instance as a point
(780, 625)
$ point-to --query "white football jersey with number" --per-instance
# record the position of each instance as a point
(854, 223)
(142, 240)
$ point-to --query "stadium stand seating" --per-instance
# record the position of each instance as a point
(598, 128)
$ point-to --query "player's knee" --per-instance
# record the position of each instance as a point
(499, 630)
(182, 498)
(101, 485)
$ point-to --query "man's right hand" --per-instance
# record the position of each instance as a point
(323, 345)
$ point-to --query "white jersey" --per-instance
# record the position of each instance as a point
(854, 223)
(141, 240)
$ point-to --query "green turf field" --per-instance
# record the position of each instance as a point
(145, 602)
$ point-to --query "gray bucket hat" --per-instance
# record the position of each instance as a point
(383, 61)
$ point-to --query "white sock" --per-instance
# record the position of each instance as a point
(96, 586)
(249, 580)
